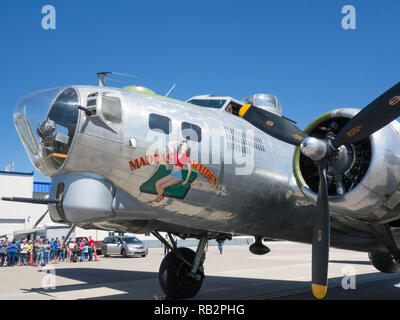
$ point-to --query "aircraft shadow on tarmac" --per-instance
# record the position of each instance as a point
(216, 287)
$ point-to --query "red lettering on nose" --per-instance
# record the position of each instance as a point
(132, 165)
(195, 165)
(142, 162)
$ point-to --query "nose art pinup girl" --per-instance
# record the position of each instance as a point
(180, 156)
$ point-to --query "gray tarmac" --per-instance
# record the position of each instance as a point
(284, 273)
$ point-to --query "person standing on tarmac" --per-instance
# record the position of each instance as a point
(57, 246)
(12, 252)
(71, 251)
(52, 249)
(220, 246)
(39, 251)
(3, 250)
(91, 248)
(23, 253)
(62, 249)
(46, 251)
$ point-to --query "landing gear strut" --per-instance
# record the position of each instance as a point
(181, 272)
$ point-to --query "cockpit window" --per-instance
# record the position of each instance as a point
(208, 103)
(111, 109)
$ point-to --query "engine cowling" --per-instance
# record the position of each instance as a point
(368, 186)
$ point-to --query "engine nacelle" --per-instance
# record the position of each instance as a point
(369, 188)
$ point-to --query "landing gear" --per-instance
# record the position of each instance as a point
(386, 262)
(181, 272)
(258, 247)
(176, 279)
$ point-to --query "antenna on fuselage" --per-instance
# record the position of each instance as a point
(102, 77)
(170, 90)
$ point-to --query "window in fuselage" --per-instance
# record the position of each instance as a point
(160, 123)
(111, 109)
(191, 131)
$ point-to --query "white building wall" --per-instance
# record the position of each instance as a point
(13, 215)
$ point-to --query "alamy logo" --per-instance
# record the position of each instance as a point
(49, 20)
(349, 277)
(49, 278)
(349, 20)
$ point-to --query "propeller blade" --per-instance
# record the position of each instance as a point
(40, 219)
(373, 117)
(272, 124)
(67, 236)
(321, 238)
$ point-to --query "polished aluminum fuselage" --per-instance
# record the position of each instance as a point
(254, 192)
(245, 200)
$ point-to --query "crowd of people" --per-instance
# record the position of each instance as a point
(43, 251)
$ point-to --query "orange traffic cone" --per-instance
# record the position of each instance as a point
(95, 255)
(30, 259)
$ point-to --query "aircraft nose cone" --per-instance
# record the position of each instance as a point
(46, 123)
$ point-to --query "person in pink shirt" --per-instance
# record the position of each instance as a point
(180, 157)
(82, 246)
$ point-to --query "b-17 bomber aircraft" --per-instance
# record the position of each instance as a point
(213, 167)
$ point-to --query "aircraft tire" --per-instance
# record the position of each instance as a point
(173, 277)
(383, 262)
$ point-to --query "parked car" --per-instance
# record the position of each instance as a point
(123, 245)
(97, 244)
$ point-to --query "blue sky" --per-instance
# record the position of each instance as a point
(296, 50)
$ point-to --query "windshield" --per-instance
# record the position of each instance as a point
(208, 103)
(131, 240)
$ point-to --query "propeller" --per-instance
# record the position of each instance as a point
(373, 117)
(324, 152)
(272, 124)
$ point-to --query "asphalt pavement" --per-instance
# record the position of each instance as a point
(284, 273)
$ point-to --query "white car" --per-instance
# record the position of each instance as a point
(123, 245)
